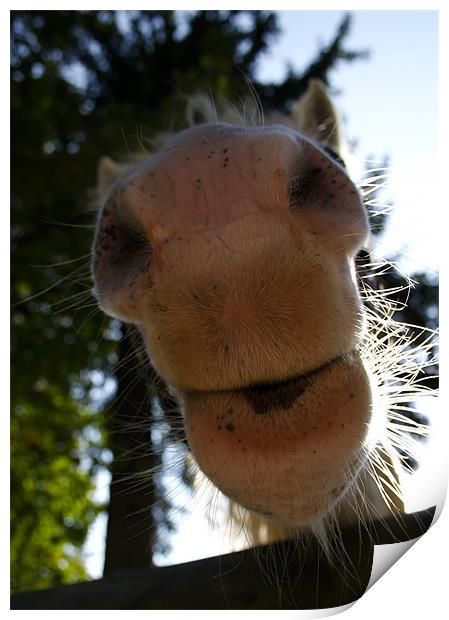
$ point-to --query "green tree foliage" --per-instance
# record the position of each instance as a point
(85, 84)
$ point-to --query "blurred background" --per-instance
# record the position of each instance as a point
(88, 434)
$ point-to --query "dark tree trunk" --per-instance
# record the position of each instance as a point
(131, 527)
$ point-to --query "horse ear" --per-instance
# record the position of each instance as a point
(315, 116)
(108, 171)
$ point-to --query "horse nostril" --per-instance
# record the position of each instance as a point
(121, 250)
(301, 188)
(322, 198)
(298, 191)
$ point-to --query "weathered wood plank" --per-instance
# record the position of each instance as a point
(277, 576)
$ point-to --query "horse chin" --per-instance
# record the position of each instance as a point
(288, 450)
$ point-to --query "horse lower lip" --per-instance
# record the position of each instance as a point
(286, 441)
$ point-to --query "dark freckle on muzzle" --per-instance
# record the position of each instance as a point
(266, 398)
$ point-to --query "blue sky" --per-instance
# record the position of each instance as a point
(389, 104)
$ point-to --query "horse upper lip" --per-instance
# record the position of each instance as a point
(305, 377)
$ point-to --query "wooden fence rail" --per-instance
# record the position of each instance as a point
(292, 574)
